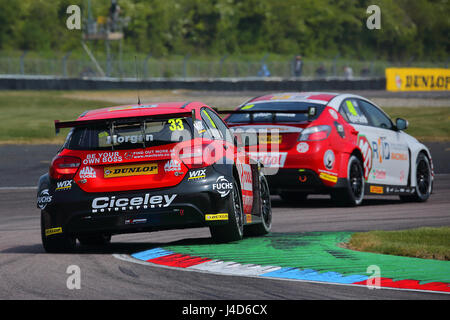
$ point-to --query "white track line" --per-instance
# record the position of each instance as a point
(18, 188)
(128, 258)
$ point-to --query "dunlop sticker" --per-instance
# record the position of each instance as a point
(52, 231)
(130, 170)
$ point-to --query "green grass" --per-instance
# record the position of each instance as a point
(425, 123)
(27, 116)
(425, 243)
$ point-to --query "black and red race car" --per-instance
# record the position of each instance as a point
(330, 143)
(151, 167)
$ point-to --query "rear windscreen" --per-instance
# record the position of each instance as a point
(273, 116)
(130, 136)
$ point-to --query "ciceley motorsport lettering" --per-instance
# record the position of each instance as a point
(109, 204)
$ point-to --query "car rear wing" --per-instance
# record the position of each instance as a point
(311, 112)
(120, 120)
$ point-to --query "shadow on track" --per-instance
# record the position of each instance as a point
(113, 247)
(326, 202)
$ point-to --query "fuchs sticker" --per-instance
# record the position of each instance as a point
(63, 185)
(111, 204)
(87, 173)
(302, 147)
(131, 170)
(328, 159)
(172, 165)
(44, 199)
(223, 186)
(197, 174)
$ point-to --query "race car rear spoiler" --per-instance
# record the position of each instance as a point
(120, 120)
(311, 111)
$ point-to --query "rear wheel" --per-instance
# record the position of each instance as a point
(56, 243)
(264, 226)
(234, 229)
(353, 193)
(423, 180)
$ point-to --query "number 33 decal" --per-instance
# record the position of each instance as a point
(176, 124)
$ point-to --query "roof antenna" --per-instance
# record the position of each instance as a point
(137, 78)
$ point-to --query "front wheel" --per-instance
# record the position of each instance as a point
(424, 180)
(234, 229)
(353, 193)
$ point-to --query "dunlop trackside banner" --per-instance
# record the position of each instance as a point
(417, 79)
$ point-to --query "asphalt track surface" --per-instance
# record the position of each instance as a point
(27, 272)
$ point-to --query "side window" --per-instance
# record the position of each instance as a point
(352, 112)
(221, 126)
(376, 116)
(211, 126)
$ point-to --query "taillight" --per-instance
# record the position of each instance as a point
(64, 167)
(315, 133)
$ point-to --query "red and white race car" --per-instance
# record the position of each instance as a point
(340, 144)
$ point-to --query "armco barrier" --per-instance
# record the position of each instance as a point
(12, 82)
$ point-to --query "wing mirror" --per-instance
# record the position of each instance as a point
(401, 124)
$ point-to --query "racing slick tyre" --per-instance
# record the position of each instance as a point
(293, 197)
(95, 240)
(262, 228)
(57, 243)
(234, 229)
(424, 182)
(352, 195)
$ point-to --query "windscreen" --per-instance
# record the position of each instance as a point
(124, 136)
(276, 117)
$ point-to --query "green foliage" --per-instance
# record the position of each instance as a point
(416, 29)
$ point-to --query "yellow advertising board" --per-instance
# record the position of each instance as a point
(417, 79)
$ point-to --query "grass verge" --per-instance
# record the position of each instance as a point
(425, 123)
(425, 243)
(27, 116)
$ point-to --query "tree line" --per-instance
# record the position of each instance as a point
(410, 29)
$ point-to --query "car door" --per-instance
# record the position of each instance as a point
(386, 153)
(243, 166)
(389, 148)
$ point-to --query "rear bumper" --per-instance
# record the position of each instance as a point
(303, 180)
(182, 206)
